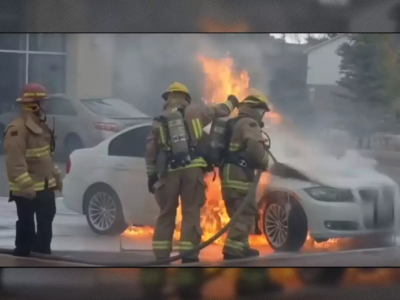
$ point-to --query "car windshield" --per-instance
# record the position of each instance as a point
(112, 108)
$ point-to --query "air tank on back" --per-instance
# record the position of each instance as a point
(178, 139)
(218, 139)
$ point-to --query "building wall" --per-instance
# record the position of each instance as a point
(323, 64)
(90, 61)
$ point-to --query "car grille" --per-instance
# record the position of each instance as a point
(378, 207)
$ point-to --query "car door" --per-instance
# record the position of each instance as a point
(62, 116)
(126, 155)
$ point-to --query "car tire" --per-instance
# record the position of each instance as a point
(72, 142)
(103, 211)
(321, 276)
(293, 228)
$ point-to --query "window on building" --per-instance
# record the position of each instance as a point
(130, 144)
(48, 42)
(16, 70)
(12, 78)
(60, 106)
(12, 41)
(48, 70)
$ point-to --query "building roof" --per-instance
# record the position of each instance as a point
(325, 43)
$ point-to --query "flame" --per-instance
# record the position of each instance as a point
(221, 80)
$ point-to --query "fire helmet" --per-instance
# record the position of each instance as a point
(33, 93)
(257, 100)
(177, 87)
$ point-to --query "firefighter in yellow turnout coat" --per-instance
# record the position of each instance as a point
(174, 180)
(31, 173)
(246, 153)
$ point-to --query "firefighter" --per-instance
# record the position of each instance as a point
(32, 175)
(245, 153)
(175, 166)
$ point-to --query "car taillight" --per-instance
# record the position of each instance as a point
(68, 166)
(106, 126)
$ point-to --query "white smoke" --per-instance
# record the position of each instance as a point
(318, 162)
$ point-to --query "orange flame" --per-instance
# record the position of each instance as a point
(221, 80)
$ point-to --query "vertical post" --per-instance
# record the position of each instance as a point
(27, 59)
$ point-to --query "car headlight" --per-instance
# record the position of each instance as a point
(329, 194)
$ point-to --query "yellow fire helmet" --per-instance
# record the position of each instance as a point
(177, 87)
(257, 99)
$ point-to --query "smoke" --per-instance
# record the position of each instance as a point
(344, 169)
(146, 64)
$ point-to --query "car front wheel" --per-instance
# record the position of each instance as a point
(284, 223)
(104, 212)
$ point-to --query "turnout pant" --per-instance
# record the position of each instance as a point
(237, 241)
(27, 238)
(189, 185)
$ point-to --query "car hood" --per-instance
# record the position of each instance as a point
(314, 159)
(349, 171)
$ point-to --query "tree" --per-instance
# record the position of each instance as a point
(366, 79)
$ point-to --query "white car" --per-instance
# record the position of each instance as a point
(108, 184)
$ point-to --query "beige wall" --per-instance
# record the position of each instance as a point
(90, 65)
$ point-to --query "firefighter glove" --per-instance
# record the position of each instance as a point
(151, 181)
(59, 183)
(29, 193)
(234, 100)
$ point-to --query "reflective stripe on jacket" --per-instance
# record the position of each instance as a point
(28, 158)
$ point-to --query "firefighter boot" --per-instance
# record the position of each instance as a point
(250, 252)
(189, 260)
(161, 261)
(247, 253)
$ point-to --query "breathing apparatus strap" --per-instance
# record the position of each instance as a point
(192, 150)
(237, 157)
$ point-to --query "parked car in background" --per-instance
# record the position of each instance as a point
(86, 122)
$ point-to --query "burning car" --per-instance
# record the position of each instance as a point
(310, 197)
(107, 183)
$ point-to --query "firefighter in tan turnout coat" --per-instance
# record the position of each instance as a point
(245, 153)
(175, 165)
(32, 175)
